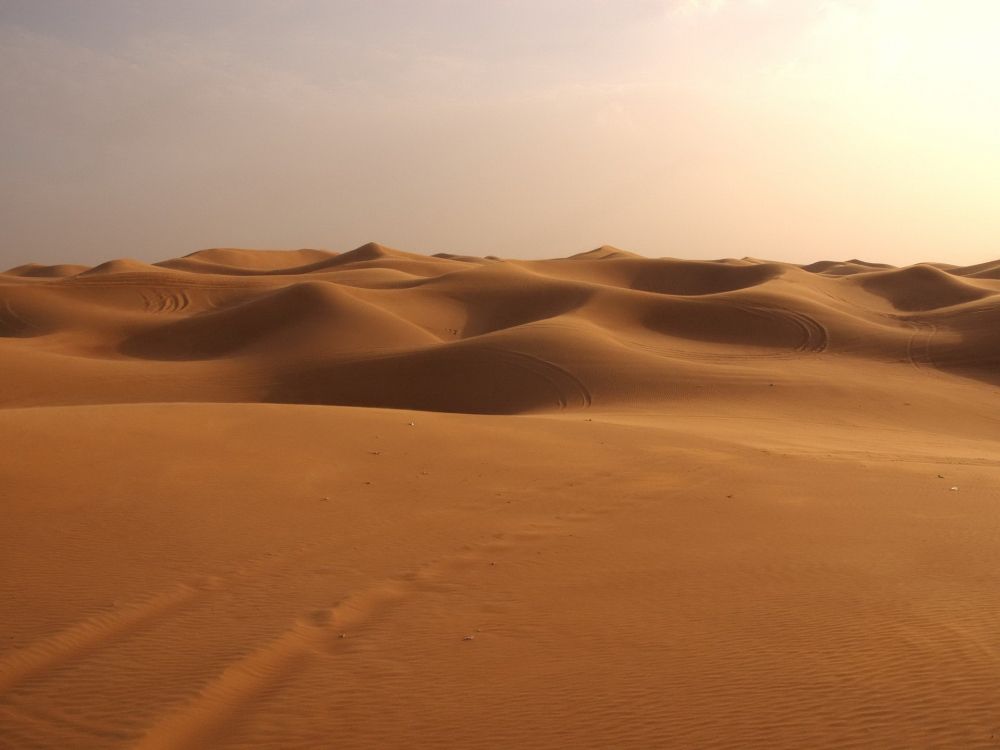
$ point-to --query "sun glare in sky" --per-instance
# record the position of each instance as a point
(787, 129)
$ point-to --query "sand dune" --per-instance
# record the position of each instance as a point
(921, 288)
(370, 499)
(988, 270)
(282, 325)
(56, 271)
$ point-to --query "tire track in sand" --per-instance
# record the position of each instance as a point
(102, 630)
(563, 382)
(321, 633)
(814, 338)
(88, 635)
(918, 346)
(164, 300)
(20, 324)
(815, 335)
(221, 699)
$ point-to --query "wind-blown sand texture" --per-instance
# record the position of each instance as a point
(300, 499)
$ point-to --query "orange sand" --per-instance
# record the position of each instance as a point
(376, 499)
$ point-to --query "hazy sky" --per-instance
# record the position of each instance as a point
(786, 129)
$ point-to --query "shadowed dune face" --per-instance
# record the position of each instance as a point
(257, 260)
(921, 288)
(307, 317)
(689, 278)
(843, 268)
(380, 327)
(39, 271)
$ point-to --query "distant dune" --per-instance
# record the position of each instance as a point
(381, 327)
(376, 499)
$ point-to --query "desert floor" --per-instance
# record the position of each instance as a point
(304, 500)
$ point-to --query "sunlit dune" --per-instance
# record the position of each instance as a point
(371, 499)
(385, 328)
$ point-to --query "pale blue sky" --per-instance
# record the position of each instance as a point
(788, 129)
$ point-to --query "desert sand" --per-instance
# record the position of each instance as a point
(302, 499)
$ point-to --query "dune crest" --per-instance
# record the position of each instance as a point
(312, 326)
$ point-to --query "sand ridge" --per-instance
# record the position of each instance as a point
(375, 499)
(380, 327)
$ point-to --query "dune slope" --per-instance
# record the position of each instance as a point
(257, 499)
(314, 327)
